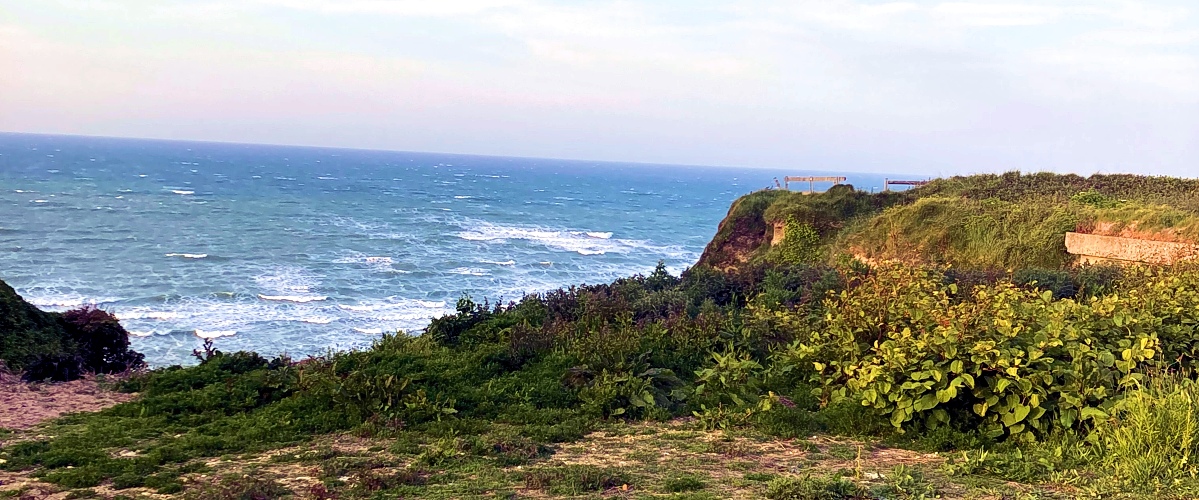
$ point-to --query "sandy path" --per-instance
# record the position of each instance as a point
(25, 405)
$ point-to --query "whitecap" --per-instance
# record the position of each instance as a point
(212, 334)
(188, 255)
(463, 197)
(159, 315)
(293, 298)
(40, 201)
(182, 191)
(469, 271)
(287, 280)
(63, 301)
(581, 242)
(499, 263)
(317, 320)
(327, 178)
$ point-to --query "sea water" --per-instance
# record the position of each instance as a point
(299, 250)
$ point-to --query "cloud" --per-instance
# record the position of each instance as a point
(995, 14)
(976, 84)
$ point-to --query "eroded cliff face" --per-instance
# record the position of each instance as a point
(743, 234)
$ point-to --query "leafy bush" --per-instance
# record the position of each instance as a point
(1008, 361)
(95, 343)
(801, 243)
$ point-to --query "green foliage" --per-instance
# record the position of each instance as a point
(1008, 361)
(684, 483)
(907, 483)
(1027, 372)
(801, 243)
(61, 346)
(968, 233)
(731, 390)
(813, 488)
(575, 479)
(1151, 440)
(1094, 199)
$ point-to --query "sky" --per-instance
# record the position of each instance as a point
(932, 87)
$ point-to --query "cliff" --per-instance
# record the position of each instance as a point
(1007, 221)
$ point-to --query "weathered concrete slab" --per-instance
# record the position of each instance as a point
(1094, 249)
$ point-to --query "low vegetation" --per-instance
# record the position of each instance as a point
(793, 371)
(1008, 221)
(61, 346)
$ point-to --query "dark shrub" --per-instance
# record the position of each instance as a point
(94, 342)
(59, 367)
(103, 343)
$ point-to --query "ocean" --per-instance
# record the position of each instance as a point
(300, 250)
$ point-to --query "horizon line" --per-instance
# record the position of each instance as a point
(521, 157)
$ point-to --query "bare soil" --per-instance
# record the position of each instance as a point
(26, 405)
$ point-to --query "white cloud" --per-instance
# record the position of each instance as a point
(995, 14)
(745, 81)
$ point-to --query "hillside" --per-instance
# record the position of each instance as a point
(1008, 221)
(61, 346)
(782, 366)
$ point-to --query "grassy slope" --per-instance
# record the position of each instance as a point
(25, 331)
(1007, 221)
(507, 402)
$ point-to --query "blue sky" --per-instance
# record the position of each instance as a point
(924, 87)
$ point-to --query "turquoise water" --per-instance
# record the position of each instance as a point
(298, 250)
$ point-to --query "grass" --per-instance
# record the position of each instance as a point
(969, 234)
(1151, 442)
(1007, 221)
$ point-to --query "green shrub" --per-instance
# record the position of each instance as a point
(801, 243)
(61, 346)
(1094, 199)
(1008, 361)
(684, 483)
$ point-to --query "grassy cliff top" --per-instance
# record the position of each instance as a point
(1010, 220)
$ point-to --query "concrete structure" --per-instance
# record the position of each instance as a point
(1095, 249)
(887, 183)
(810, 180)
